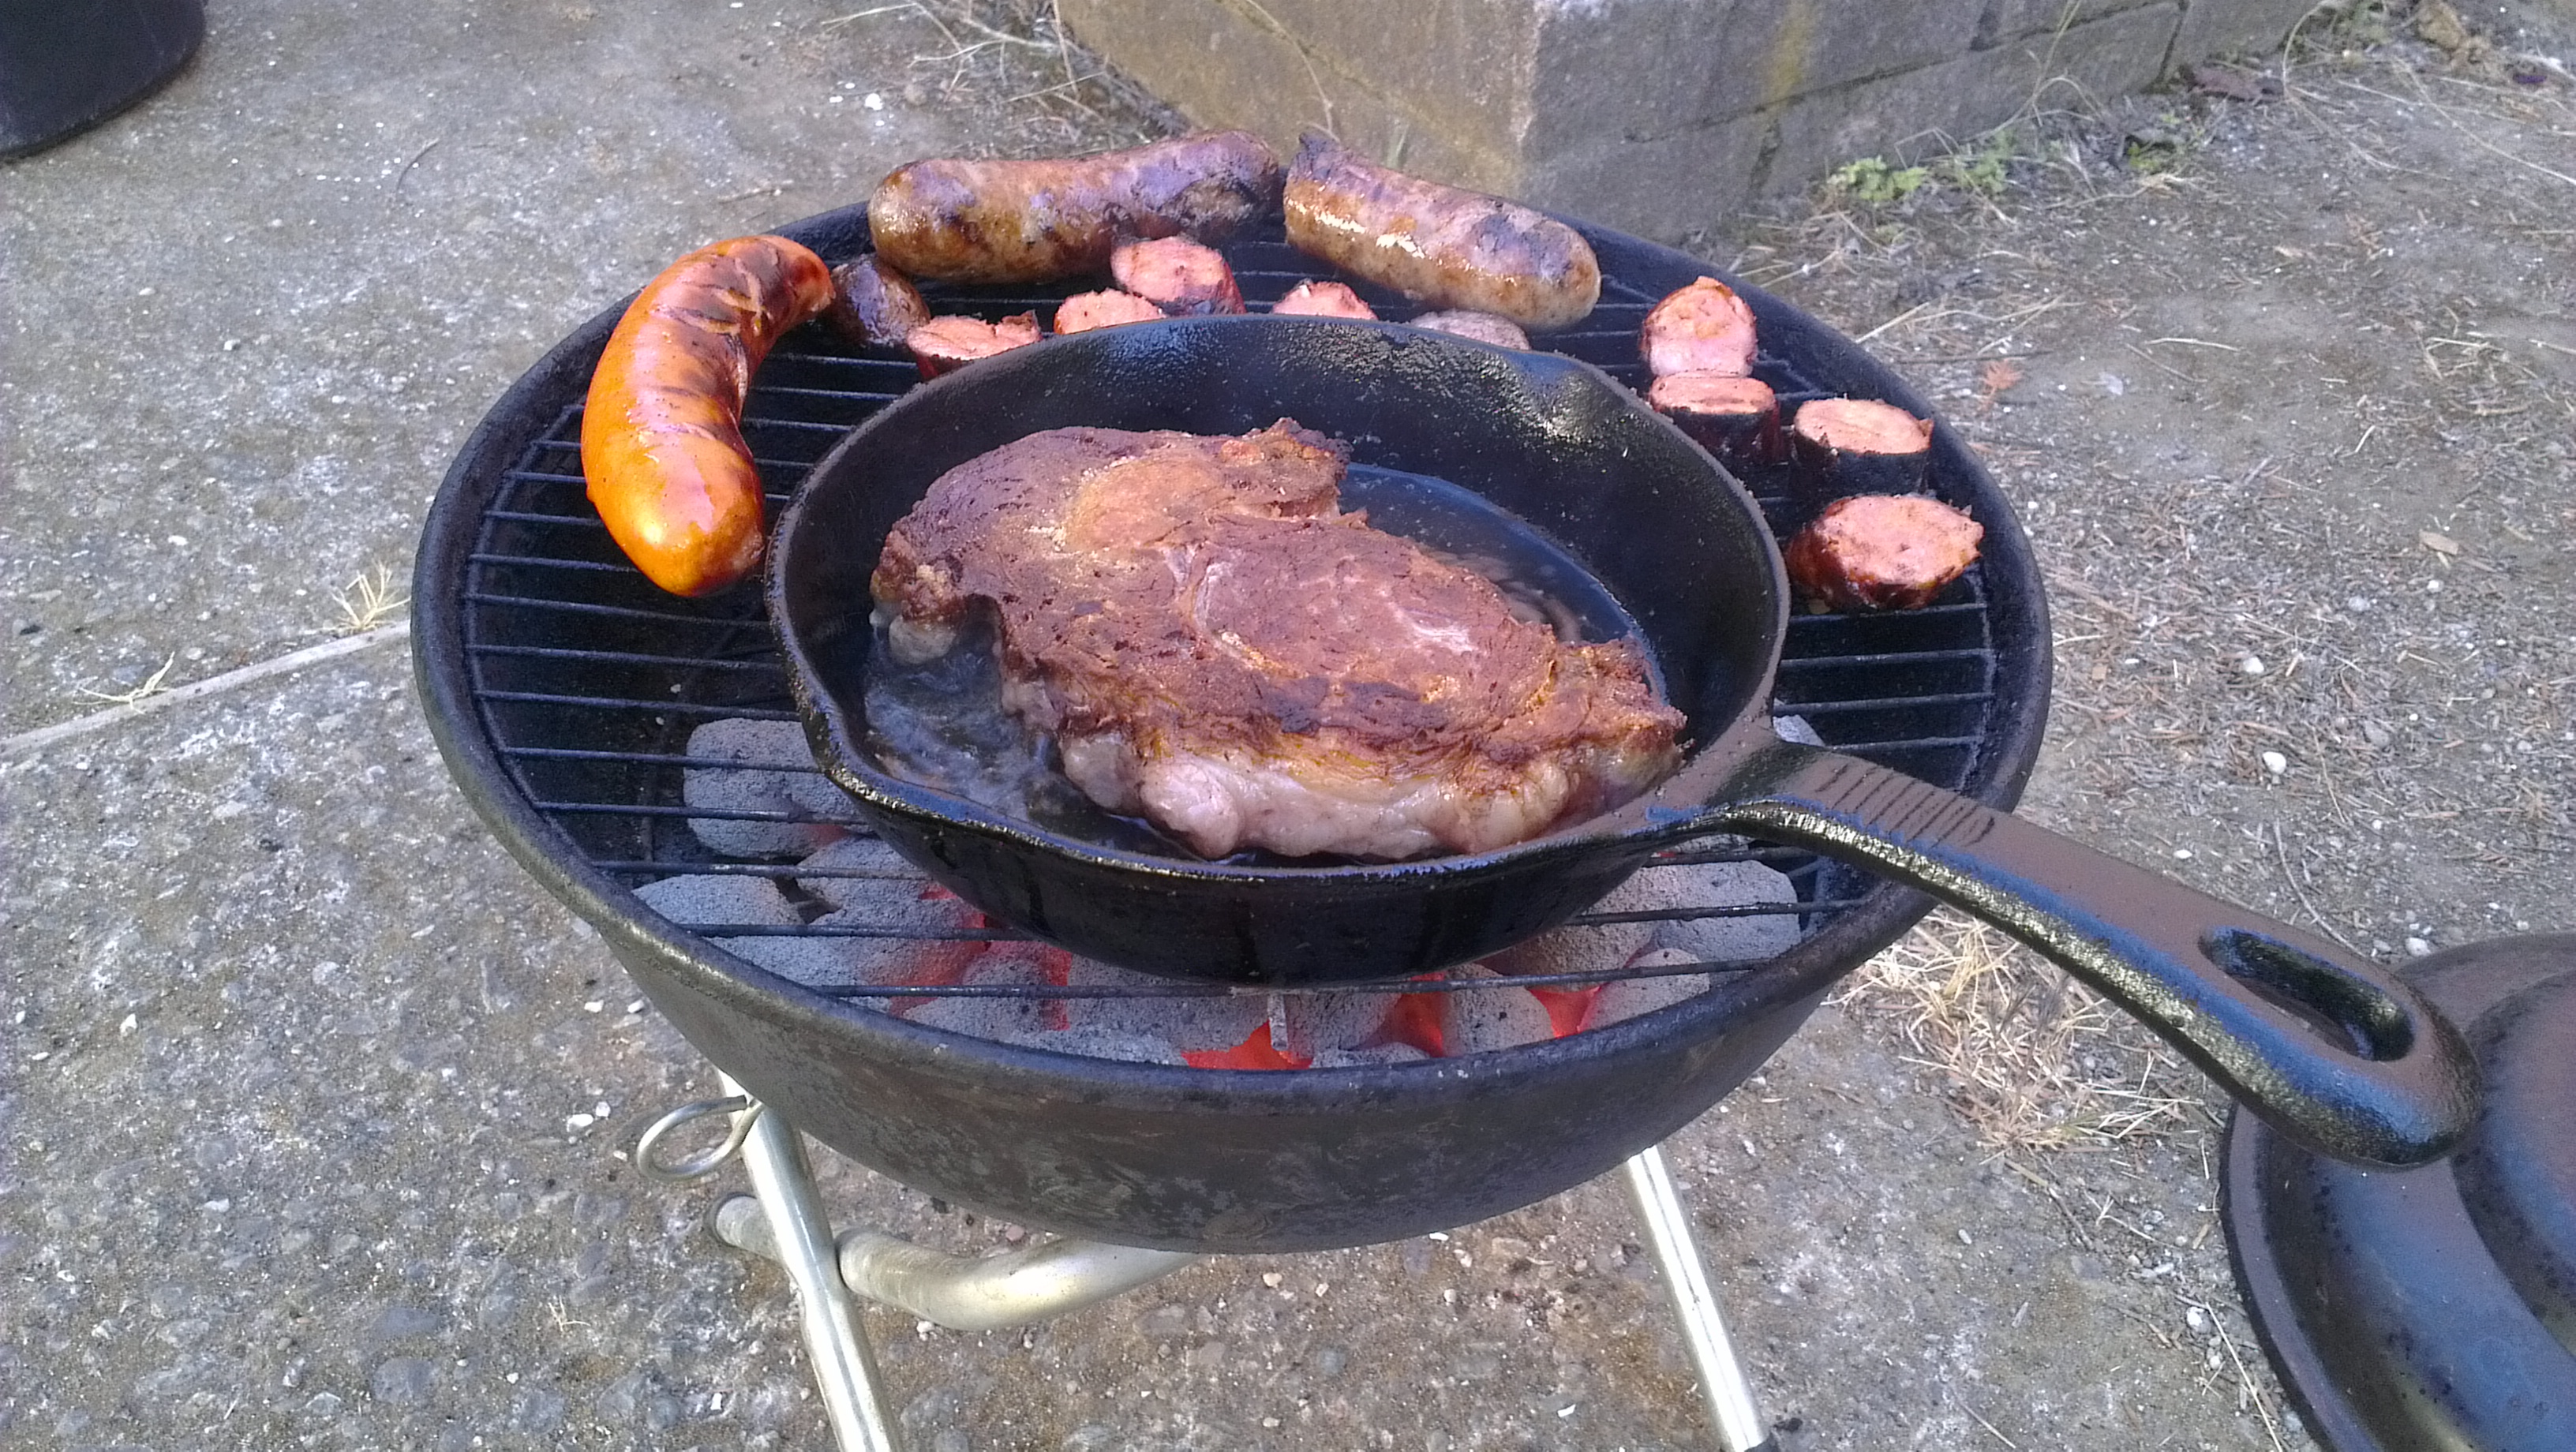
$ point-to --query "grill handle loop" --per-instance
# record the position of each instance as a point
(743, 1107)
(2335, 1052)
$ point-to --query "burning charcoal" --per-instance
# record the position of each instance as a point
(814, 962)
(1481, 1020)
(1725, 939)
(1366, 1028)
(861, 872)
(914, 953)
(715, 900)
(1629, 997)
(1029, 1021)
(1189, 1024)
(790, 785)
(1586, 949)
(1367, 1057)
(1107, 1043)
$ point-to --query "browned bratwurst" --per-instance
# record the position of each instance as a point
(1036, 221)
(873, 304)
(1447, 246)
(661, 435)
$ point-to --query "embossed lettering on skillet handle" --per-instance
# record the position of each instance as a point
(2334, 1051)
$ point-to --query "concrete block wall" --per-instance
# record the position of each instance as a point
(1660, 117)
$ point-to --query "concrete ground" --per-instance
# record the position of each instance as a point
(314, 1108)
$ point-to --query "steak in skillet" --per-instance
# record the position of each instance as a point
(1215, 646)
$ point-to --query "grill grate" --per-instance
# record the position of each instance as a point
(588, 680)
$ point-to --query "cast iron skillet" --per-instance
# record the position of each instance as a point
(2340, 1055)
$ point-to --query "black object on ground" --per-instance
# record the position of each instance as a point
(2433, 1307)
(66, 65)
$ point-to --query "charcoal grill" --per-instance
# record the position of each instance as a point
(562, 687)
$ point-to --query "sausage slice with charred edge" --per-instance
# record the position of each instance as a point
(1701, 328)
(1037, 221)
(945, 344)
(1444, 245)
(1085, 311)
(1182, 277)
(661, 435)
(1882, 551)
(1735, 418)
(1322, 300)
(1859, 446)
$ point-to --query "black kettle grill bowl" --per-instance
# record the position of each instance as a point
(526, 634)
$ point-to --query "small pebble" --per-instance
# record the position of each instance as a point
(2251, 665)
(2275, 763)
(2184, 853)
(2432, 587)
(2417, 948)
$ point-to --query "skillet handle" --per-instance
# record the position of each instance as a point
(2362, 1070)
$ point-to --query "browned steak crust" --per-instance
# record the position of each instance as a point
(1216, 645)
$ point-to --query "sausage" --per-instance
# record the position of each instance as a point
(1859, 446)
(1322, 300)
(1182, 277)
(661, 436)
(1702, 328)
(1467, 323)
(1444, 245)
(1882, 551)
(873, 305)
(943, 345)
(1085, 311)
(1037, 221)
(1735, 418)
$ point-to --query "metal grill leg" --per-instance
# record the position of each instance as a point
(783, 1220)
(1668, 1234)
(801, 1240)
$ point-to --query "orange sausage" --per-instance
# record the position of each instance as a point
(661, 437)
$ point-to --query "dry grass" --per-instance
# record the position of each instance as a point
(1054, 95)
(2030, 1059)
(152, 685)
(369, 600)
